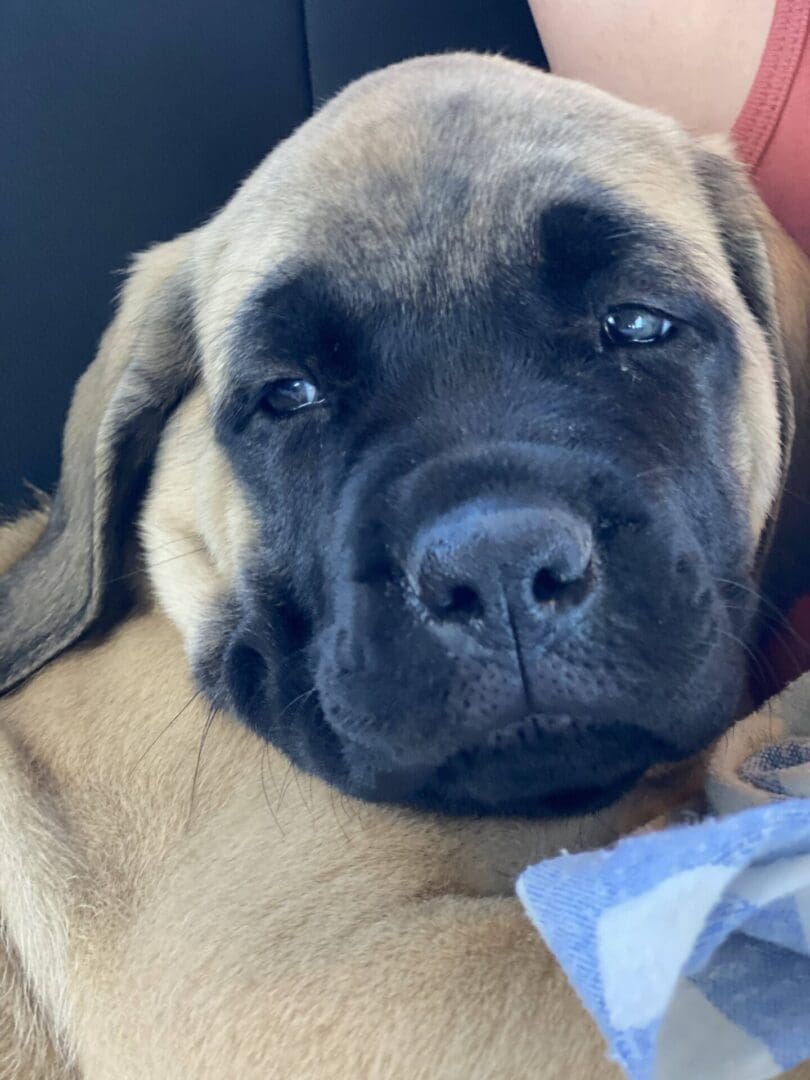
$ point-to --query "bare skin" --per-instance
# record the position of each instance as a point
(694, 59)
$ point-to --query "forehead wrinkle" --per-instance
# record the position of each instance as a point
(585, 237)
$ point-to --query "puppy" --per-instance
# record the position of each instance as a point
(453, 449)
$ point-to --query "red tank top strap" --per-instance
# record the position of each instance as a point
(772, 132)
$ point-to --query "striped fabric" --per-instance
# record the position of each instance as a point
(691, 946)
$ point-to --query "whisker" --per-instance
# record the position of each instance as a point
(767, 677)
(780, 635)
(212, 712)
(778, 614)
(307, 694)
(184, 539)
(297, 777)
(285, 783)
(143, 568)
(333, 808)
(785, 638)
(265, 750)
(349, 808)
(778, 624)
(163, 731)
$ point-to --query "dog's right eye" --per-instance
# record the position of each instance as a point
(289, 395)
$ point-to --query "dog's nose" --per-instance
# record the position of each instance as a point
(488, 564)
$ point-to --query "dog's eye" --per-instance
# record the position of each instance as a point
(290, 395)
(634, 325)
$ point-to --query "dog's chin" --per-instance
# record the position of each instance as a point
(572, 802)
(460, 795)
(522, 773)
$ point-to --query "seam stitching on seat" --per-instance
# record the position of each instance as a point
(307, 58)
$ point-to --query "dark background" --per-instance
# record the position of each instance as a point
(123, 124)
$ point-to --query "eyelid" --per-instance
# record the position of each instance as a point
(297, 370)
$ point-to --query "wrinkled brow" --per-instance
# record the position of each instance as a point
(582, 238)
(293, 317)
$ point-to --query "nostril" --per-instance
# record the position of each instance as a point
(549, 586)
(450, 601)
(546, 586)
(464, 603)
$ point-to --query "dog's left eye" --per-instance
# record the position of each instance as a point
(290, 395)
(631, 324)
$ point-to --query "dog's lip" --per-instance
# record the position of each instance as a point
(513, 733)
(417, 787)
(569, 802)
(444, 784)
(551, 723)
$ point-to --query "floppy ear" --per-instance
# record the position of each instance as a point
(771, 274)
(145, 363)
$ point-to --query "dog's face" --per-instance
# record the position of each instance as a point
(484, 442)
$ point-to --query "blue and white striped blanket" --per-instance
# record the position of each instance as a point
(691, 946)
